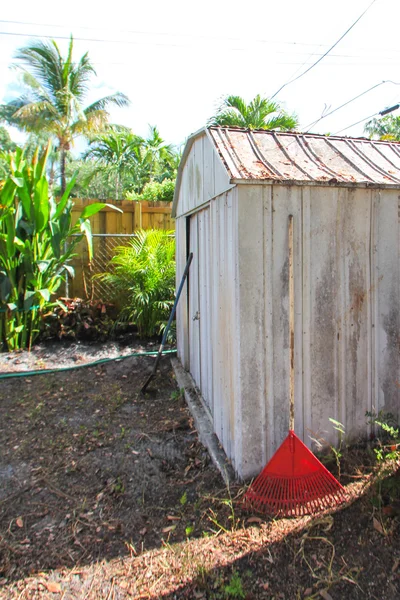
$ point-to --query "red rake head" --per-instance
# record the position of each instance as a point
(293, 483)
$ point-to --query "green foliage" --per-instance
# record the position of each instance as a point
(34, 253)
(55, 88)
(385, 128)
(234, 589)
(6, 145)
(156, 192)
(120, 164)
(388, 448)
(117, 155)
(260, 113)
(143, 277)
(337, 452)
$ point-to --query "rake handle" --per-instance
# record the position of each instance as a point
(291, 325)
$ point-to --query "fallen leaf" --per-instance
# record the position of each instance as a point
(168, 529)
(324, 594)
(395, 565)
(53, 587)
(143, 531)
(378, 526)
(173, 518)
(19, 522)
(254, 520)
(307, 591)
(388, 511)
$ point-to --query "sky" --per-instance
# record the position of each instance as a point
(175, 60)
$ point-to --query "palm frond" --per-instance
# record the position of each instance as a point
(260, 113)
(118, 99)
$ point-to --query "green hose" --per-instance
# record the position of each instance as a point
(92, 364)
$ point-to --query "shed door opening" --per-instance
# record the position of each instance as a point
(200, 348)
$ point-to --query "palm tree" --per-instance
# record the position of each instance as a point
(118, 151)
(387, 128)
(260, 113)
(159, 158)
(55, 90)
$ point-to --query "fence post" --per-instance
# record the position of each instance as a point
(138, 216)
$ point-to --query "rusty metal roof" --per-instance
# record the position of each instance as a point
(306, 158)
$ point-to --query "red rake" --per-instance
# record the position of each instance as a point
(294, 482)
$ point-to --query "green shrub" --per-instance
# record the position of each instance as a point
(155, 192)
(143, 277)
(34, 252)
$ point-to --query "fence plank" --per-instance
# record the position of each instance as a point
(136, 215)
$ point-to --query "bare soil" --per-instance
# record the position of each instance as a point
(105, 493)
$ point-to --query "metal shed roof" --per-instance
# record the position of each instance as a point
(306, 158)
(274, 157)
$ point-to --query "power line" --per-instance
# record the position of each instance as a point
(354, 124)
(326, 53)
(348, 102)
(161, 33)
(381, 113)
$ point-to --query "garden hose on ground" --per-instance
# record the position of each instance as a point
(91, 364)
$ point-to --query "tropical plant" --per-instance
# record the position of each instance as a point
(386, 128)
(160, 159)
(6, 145)
(55, 90)
(128, 161)
(260, 113)
(142, 275)
(117, 153)
(37, 241)
(155, 192)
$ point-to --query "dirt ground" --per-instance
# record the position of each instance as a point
(108, 494)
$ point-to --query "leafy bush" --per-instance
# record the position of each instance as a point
(143, 277)
(156, 192)
(34, 253)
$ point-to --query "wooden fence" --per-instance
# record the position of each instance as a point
(111, 228)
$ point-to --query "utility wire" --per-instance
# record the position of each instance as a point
(168, 34)
(308, 127)
(358, 122)
(381, 113)
(326, 53)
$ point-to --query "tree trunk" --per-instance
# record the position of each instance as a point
(117, 186)
(63, 156)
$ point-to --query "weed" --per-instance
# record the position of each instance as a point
(388, 456)
(183, 499)
(35, 412)
(118, 487)
(234, 589)
(337, 452)
(178, 394)
(189, 530)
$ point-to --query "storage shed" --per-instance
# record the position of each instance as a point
(235, 191)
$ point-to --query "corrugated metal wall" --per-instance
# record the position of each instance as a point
(347, 327)
(347, 318)
(204, 176)
(207, 325)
